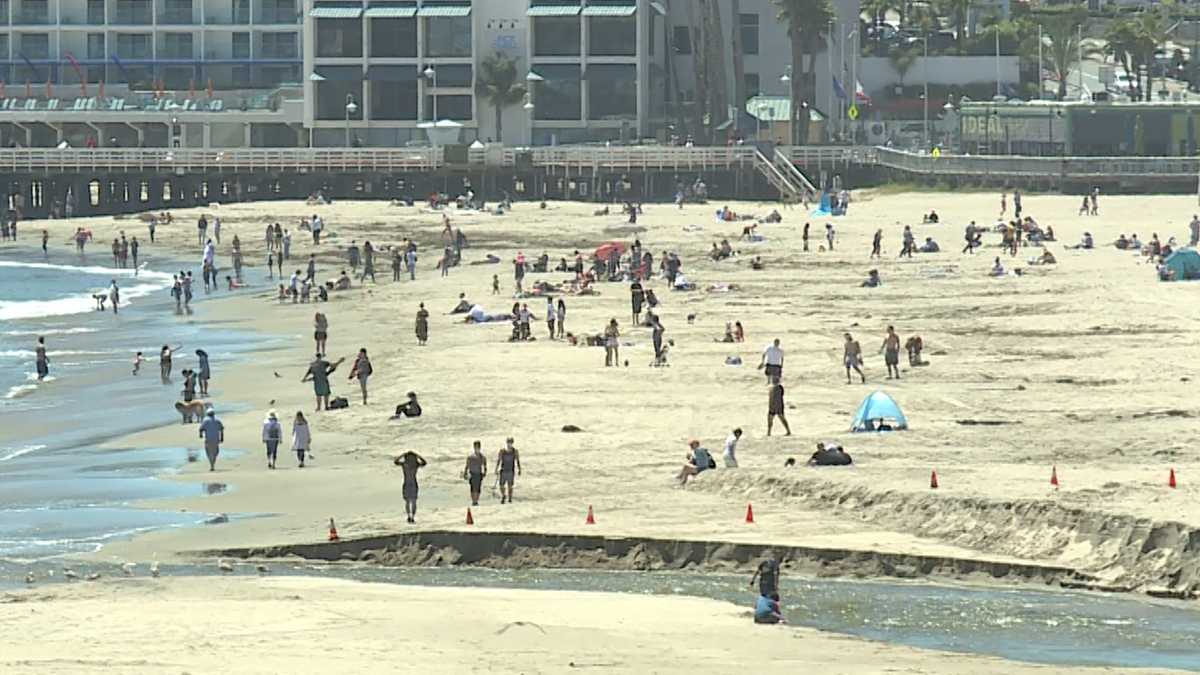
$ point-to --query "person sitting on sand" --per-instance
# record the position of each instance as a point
(931, 218)
(830, 455)
(873, 280)
(342, 283)
(757, 263)
(463, 305)
(766, 610)
(1122, 243)
(409, 408)
(562, 266)
(1047, 258)
(997, 268)
(728, 333)
(543, 263)
(1135, 244)
(1087, 242)
(773, 217)
(930, 246)
(600, 212)
(699, 461)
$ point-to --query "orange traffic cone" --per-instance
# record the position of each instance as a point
(333, 535)
(591, 519)
(470, 518)
(1171, 479)
(933, 479)
(749, 514)
(1054, 476)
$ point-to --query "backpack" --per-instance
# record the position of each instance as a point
(339, 403)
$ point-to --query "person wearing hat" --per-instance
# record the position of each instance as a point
(213, 433)
(272, 433)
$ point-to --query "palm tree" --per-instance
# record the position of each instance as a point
(1060, 39)
(739, 62)
(498, 82)
(958, 10)
(902, 59)
(807, 21)
(1152, 31)
(1121, 38)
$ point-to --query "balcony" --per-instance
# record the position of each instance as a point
(31, 17)
(124, 17)
(236, 19)
(286, 17)
(177, 17)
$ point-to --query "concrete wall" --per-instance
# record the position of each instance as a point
(878, 72)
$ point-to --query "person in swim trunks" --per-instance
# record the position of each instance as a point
(410, 462)
(852, 358)
(891, 352)
(508, 465)
(474, 472)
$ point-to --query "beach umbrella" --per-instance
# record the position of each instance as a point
(603, 251)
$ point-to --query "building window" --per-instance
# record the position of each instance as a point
(453, 76)
(752, 85)
(134, 46)
(240, 11)
(278, 11)
(395, 99)
(448, 36)
(681, 36)
(279, 46)
(749, 33)
(176, 12)
(95, 46)
(331, 92)
(95, 12)
(241, 45)
(176, 46)
(612, 92)
(456, 107)
(133, 12)
(612, 36)
(34, 12)
(556, 36)
(396, 38)
(35, 45)
(339, 38)
(559, 95)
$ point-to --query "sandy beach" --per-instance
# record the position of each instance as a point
(305, 625)
(1084, 367)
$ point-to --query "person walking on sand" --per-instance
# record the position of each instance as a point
(397, 264)
(352, 257)
(319, 371)
(656, 337)
(508, 466)
(611, 350)
(852, 358)
(368, 262)
(217, 228)
(320, 332)
(213, 433)
(410, 462)
(362, 370)
(891, 352)
(771, 362)
(164, 362)
(42, 361)
(422, 326)
(562, 317)
(829, 234)
(776, 407)
(475, 471)
(637, 297)
(272, 434)
(729, 454)
(301, 437)
(876, 245)
(201, 229)
(519, 271)
(204, 374)
(1003, 203)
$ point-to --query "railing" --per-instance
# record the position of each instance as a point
(1066, 167)
(167, 160)
(776, 178)
(788, 168)
(831, 155)
(644, 157)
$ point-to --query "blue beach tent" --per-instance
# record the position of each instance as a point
(1184, 264)
(877, 408)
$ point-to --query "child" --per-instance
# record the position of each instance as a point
(137, 362)
(282, 294)
(495, 284)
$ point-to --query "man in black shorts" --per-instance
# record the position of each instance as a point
(767, 575)
(410, 462)
(508, 465)
(772, 361)
(474, 472)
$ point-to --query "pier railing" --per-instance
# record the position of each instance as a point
(1017, 167)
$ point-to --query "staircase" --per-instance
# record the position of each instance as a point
(788, 169)
(789, 188)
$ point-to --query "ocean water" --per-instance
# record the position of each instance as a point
(59, 492)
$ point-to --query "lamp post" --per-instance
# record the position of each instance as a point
(531, 80)
(431, 75)
(786, 79)
(351, 108)
(925, 93)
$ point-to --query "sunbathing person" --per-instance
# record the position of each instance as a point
(830, 455)
(463, 306)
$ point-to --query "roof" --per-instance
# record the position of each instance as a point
(554, 10)
(444, 10)
(610, 10)
(390, 11)
(776, 109)
(337, 12)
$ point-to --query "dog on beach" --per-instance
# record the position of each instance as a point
(191, 411)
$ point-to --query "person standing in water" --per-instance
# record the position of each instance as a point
(114, 295)
(508, 465)
(45, 240)
(362, 370)
(43, 362)
(410, 462)
(422, 325)
(164, 362)
(133, 250)
(213, 433)
(475, 471)
(272, 434)
(301, 437)
(204, 373)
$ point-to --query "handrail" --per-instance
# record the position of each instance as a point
(788, 168)
(776, 178)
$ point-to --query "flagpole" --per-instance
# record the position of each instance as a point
(842, 108)
(829, 53)
(997, 61)
(1041, 82)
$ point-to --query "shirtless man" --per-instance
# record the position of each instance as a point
(474, 472)
(852, 358)
(891, 352)
(508, 465)
(410, 462)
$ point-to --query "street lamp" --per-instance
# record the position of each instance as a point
(786, 79)
(925, 72)
(351, 108)
(431, 74)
